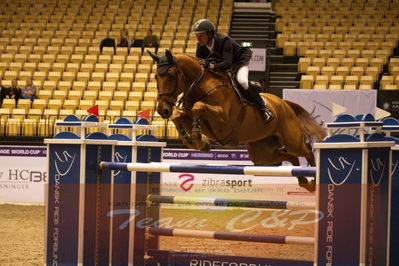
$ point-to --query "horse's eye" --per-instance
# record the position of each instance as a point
(168, 75)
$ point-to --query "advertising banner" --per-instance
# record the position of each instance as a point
(389, 101)
(319, 102)
(22, 174)
(258, 59)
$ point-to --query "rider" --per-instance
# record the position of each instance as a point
(231, 56)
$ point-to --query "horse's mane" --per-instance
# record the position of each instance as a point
(218, 75)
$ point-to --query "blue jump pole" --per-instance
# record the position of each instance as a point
(212, 169)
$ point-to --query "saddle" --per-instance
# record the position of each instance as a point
(241, 92)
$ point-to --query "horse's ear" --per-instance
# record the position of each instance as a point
(169, 56)
(154, 56)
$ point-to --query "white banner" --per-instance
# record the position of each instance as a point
(22, 174)
(319, 102)
(226, 185)
(258, 59)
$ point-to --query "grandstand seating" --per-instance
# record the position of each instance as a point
(349, 41)
(57, 43)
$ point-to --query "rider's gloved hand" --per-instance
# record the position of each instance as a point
(204, 63)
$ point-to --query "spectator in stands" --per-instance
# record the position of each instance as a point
(150, 40)
(3, 91)
(13, 92)
(221, 53)
(124, 40)
(29, 92)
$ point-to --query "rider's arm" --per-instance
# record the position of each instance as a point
(227, 56)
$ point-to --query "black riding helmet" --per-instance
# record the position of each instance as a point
(203, 25)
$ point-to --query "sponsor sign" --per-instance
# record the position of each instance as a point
(258, 59)
(22, 174)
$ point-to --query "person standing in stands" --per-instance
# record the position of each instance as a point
(124, 40)
(221, 53)
(150, 40)
(29, 92)
(3, 91)
(13, 92)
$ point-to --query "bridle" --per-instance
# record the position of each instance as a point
(173, 94)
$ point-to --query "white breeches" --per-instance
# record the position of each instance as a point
(242, 76)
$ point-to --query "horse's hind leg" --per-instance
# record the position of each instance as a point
(302, 180)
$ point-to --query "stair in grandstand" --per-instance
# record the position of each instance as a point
(253, 22)
(282, 72)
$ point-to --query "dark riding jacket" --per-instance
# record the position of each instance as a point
(229, 54)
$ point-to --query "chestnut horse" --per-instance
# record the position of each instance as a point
(212, 110)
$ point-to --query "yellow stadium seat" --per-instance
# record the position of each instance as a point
(30, 66)
(54, 76)
(365, 87)
(87, 67)
(322, 79)
(313, 70)
(350, 87)
(319, 62)
(152, 86)
(115, 68)
(75, 94)
(9, 103)
(120, 95)
(59, 67)
(336, 80)
(90, 95)
(24, 104)
(94, 85)
(306, 81)
(104, 59)
(91, 58)
(22, 58)
(71, 104)
(386, 80)
(60, 95)
(97, 76)
(116, 105)
(83, 76)
(123, 85)
(79, 85)
(127, 77)
(72, 67)
(112, 76)
(351, 80)
(105, 95)
(10, 75)
(44, 94)
(65, 85)
(39, 104)
(335, 87)
(118, 59)
(80, 51)
(86, 104)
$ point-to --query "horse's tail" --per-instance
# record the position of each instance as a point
(312, 130)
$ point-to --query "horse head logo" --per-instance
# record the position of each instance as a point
(340, 170)
(120, 159)
(376, 170)
(63, 162)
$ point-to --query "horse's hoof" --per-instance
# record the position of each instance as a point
(309, 186)
(188, 139)
(206, 148)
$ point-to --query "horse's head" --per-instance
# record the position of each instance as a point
(170, 84)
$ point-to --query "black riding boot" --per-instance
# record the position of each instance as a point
(254, 96)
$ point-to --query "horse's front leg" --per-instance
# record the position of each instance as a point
(183, 124)
(213, 116)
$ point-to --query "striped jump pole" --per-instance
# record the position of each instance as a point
(211, 169)
(210, 201)
(299, 240)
